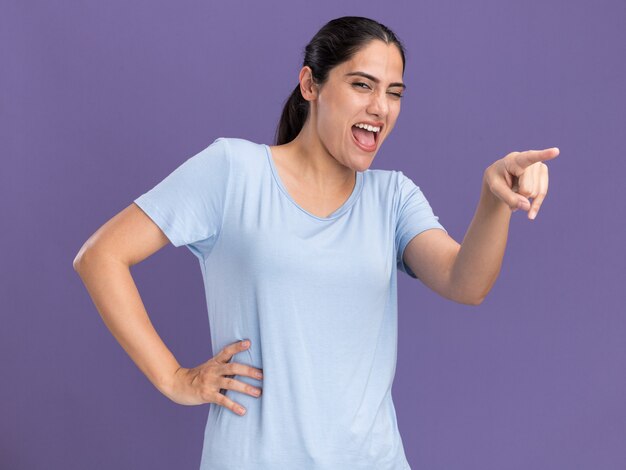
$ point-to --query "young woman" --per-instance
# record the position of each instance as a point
(299, 245)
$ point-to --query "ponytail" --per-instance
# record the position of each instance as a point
(294, 116)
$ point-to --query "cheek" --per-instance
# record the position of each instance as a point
(326, 112)
(332, 121)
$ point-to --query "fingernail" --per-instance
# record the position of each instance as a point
(245, 344)
(241, 411)
(259, 375)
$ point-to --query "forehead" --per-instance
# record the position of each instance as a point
(376, 58)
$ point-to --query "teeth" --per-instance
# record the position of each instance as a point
(368, 127)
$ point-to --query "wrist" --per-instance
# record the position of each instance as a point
(487, 196)
(166, 383)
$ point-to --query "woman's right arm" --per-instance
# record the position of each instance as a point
(103, 263)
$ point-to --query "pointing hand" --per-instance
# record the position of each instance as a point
(519, 176)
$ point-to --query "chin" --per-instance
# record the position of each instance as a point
(362, 163)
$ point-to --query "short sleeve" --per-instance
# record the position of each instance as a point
(414, 216)
(188, 204)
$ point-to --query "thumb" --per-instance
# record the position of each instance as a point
(514, 200)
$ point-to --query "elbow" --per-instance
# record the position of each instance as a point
(479, 300)
(86, 252)
(475, 301)
(76, 263)
(466, 298)
(469, 299)
(474, 297)
(79, 259)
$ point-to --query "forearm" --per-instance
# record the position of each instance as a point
(479, 260)
(115, 295)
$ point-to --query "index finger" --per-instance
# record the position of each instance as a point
(529, 157)
(229, 351)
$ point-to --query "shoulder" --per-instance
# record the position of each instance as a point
(379, 175)
(242, 152)
(384, 181)
(238, 145)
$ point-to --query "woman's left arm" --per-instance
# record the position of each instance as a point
(466, 273)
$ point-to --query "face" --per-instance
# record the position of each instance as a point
(348, 98)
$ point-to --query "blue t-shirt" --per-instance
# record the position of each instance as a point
(316, 296)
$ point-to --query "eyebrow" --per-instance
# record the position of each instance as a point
(374, 79)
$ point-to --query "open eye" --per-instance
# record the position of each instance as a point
(358, 85)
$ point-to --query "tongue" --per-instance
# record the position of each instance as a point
(364, 137)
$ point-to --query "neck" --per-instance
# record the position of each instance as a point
(315, 165)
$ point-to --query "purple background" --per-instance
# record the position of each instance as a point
(101, 100)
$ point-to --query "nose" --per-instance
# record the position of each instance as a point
(378, 104)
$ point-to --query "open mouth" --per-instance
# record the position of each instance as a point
(365, 138)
